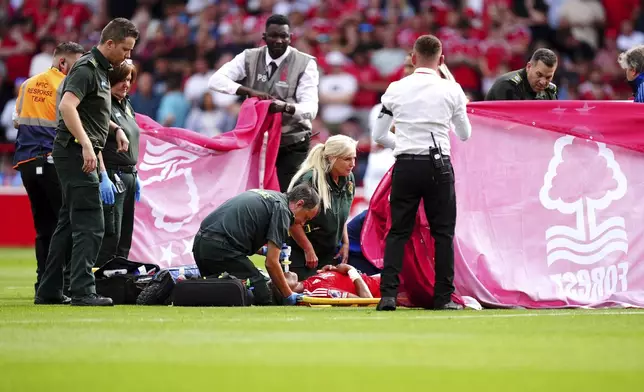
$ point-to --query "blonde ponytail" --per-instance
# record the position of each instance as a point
(320, 160)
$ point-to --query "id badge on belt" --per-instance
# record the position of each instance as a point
(41, 162)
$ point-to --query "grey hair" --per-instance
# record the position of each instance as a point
(306, 193)
(632, 59)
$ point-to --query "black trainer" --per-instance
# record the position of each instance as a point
(64, 300)
(92, 300)
(451, 305)
(386, 303)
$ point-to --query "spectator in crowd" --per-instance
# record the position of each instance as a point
(370, 85)
(629, 37)
(586, 18)
(207, 118)
(381, 159)
(337, 91)
(197, 83)
(595, 88)
(8, 115)
(632, 62)
(42, 61)
(16, 46)
(5, 95)
(174, 107)
(145, 100)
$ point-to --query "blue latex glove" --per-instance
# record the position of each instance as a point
(294, 298)
(107, 189)
(137, 191)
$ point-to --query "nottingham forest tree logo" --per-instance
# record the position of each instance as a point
(168, 165)
(571, 188)
(584, 179)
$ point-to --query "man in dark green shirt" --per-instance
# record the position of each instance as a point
(242, 225)
(84, 124)
(534, 82)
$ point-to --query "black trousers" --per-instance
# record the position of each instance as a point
(289, 159)
(119, 220)
(214, 256)
(80, 226)
(43, 189)
(413, 180)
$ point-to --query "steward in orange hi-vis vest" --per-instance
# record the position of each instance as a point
(35, 118)
(36, 110)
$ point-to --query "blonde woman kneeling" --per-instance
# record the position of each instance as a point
(328, 168)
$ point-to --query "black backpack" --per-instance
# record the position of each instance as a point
(122, 279)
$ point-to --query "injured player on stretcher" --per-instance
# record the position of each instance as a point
(336, 281)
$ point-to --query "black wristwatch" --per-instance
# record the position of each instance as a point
(290, 109)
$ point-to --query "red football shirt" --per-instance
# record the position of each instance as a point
(332, 284)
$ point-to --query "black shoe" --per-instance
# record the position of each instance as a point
(386, 303)
(92, 300)
(64, 300)
(451, 305)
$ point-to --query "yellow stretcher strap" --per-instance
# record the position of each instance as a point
(325, 302)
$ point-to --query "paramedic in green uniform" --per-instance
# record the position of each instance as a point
(328, 168)
(533, 82)
(84, 112)
(119, 197)
(242, 225)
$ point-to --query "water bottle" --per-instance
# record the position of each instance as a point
(182, 274)
(287, 257)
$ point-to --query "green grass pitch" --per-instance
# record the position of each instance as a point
(128, 348)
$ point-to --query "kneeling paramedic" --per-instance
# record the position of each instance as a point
(242, 225)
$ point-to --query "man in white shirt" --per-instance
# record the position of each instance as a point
(337, 90)
(422, 106)
(284, 75)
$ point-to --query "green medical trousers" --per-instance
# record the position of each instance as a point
(119, 220)
(80, 226)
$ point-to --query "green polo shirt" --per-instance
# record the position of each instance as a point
(326, 229)
(123, 115)
(250, 219)
(88, 81)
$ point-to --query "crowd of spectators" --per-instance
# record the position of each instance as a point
(360, 46)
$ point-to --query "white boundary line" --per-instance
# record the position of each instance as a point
(294, 317)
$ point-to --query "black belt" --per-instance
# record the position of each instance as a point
(131, 169)
(411, 157)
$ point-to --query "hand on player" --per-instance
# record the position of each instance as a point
(344, 268)
(293, 299)
(343, 254)
(311, 259)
